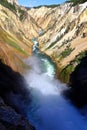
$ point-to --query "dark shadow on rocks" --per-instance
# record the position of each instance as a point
(14, 100)
(78, 84)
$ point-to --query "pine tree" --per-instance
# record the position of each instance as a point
(75, 2)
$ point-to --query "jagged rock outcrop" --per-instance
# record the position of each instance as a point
(10, 119)
(62, 34)
(60, 29)
(13, 1)
(17, 28)
(63, 26)
(78, 84)
(13, 92)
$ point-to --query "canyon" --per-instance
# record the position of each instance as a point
(61, 31)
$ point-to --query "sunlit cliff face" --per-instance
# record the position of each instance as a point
(48, 109)
(55, 27)
(13, 1)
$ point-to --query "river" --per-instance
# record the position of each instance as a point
(48, 109)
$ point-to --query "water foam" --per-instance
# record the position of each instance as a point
(48, 109)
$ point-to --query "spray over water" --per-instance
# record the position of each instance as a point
(48, 109)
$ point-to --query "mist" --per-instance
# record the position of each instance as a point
(49, 110)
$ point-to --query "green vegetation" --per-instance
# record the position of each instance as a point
(48, 6)
(8, 5)
(67, 1)
(66, 52)
(65, 42)
(75, 2)
(53, 43)
(22, 13)
(14, 45)
(58, 38)
(13, 8)
(6, 38)
(79, 57)
(67, 70)
(65, 73)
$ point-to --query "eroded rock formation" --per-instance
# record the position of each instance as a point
(13, 92)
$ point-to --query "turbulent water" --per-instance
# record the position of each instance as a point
(48, 109)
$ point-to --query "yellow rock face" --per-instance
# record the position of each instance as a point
(63, 28)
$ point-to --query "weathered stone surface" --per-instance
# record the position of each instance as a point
(10, 118)
(78, 84)
(56, 27)
(13, 1)
(13, 93)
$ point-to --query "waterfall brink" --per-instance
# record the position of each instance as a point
(48, 109)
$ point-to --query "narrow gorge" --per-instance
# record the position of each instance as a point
(43, 66)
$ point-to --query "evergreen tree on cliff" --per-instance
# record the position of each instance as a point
(75, 2)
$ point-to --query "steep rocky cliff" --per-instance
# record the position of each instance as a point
(62, 25)
(17, 28)
(13, 93)
(13, 1)
(64, 31)
(60, 29)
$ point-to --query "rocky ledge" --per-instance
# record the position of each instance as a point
(14, 99)
(78, 84)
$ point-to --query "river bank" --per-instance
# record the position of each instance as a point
(48, 103)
